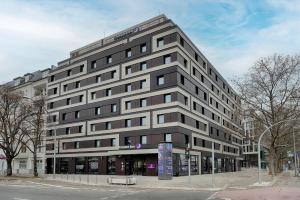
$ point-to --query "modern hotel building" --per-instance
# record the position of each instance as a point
(113, 101)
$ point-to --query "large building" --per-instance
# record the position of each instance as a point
(113, 101)
(28, 85)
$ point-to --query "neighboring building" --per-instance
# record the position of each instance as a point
(28, 85)
(113, 101)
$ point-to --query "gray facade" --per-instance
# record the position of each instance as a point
(113, 101)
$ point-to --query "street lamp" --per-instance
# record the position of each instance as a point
(259, 140)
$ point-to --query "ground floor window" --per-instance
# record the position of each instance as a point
(23, 164)
(111, 165)
(64, 165)
(180, 164)
(79, 165)
(93, 164)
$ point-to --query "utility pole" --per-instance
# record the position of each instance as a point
(295, 154)
(213, 164)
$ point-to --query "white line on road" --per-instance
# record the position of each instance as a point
(19, 199)
(212, 196)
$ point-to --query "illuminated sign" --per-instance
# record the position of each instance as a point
(165, 161)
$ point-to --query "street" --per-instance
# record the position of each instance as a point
(28, 190)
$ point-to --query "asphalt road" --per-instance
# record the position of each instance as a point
(39, 191)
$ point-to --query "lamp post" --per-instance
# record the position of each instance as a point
(259, 141)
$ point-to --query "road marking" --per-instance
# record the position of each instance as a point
(212, 196)
(19, 199)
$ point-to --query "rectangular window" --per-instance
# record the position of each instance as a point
(98, 79)
(51, 105)
(54, 118)
(203, 111)
(127, 141)
(128, 123)
(108, 92)
(168, 137)
(69, 72)
(113, 74)
(68, 131)
(81, 68)
(194, 71)
(93, 95)
(185, 63)
(76, 145)
(113, 142)
(142, 84)
(202, 78)
(52, 78)
(80, 129)
(205, 96)
(143, 139)
(77, 84)
(194, 105)
(97, 143)
(160, 42)
(182, 117)
(182, 79)
(109, 59)
(77, 114)
(128, 53)
(143, 102)
(68, 101)
(143, 121)
(128, 87)
(64, 116)
(167, 59)
(128, 105)
(65, 88)
(196, 56)
(167, 98)
(93, 127)
(128, 70)
(181, 41)
(108, 125)
(143, 66)
(197, 124)
(81, 98)
(185, 100)
(97, 111)
(113, 107)
(54, 90)
(161, 119)
(94, 64)
(143, 48)
(160, 80)
(197, 90)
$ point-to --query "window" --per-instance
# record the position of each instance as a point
(197, 90)
(127, 141)
(113, 107)
(210, 100)
(108, 92)
(98, 79)
(185, 100)
(195, 141)
(128, 53)
(181, 41)
(216, 77)
(23, 148)
(217, 104)
(160, 80)
(77, 84)
(76, 145)
(203, 111)
(128, 87)
(205, 96)
(69, 101)
(113, 142)
(93, 127)
(53, 118)
(194, 105)
(143, 102)
(65, 88)
(128, 70)
(93, 95)
(143, 139)
(196, 56)
(97, 143)
(23, 163)
(94, 64)
(143, 66)
(54, 90)
(128, 123)
(69, 72)
(160, 119)
(81, 98)
(182, 79)
(108, 125)
(81, 68)
(51, 105)
(212, 87)
(142, 84)
(108, 59)
(52, 78)
(204, 64)
(186, 138)
(68, 131)
(128, 105)
(167, 59)
(182, 117)
(97, 111)
(77, 114)
(185, 63)
(143, 48)
(64, 116)
(64, 146)
(197, 124)
(80, 128)
(202, 78)
(203, 143)
(142, 121)
(168, 137)
(194, 71)
(167, 98)
(160, 42)
(113, 74)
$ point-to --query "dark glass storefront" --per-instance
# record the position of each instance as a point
(222, 164)
(180, 165)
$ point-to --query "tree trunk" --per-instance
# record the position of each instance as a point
(9, 167)
(35, 172)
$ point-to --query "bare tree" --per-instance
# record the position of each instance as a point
(35, 128)
(270, 91)
(13, 115)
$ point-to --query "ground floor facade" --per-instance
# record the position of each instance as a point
(142, 164)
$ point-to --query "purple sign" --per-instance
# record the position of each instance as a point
(138, 146)
(151, 166)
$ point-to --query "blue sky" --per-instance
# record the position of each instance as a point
(231, 34)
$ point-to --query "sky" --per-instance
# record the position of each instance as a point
(231, 34)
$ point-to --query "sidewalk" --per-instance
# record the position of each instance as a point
(235, 180)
